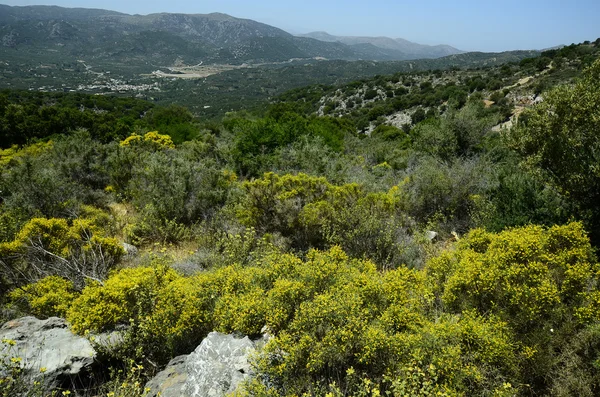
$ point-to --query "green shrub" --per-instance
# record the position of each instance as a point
(313, 213)
(557, 142)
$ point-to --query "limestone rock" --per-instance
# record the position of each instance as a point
(131, 251)
(170, 381)
(218, 365)
(215, 368)
(431, 235)
(48, 344)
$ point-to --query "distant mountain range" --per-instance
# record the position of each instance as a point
(189, 38)
(398, 47)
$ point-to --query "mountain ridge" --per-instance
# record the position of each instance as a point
(388, 43)
(214, 37)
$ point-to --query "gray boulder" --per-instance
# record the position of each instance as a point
(431, 235)
(130, 250)
(48, 350)
(170, 381)
(218, 365)
(215, 368)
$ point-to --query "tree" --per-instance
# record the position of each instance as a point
(561, 141)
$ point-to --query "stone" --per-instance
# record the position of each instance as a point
(214, 369)
(130, 250)
(170, 381)
(49, 350)
(108, 342)
(218, 365)
(431, 235)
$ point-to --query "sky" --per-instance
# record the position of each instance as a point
(468, 25)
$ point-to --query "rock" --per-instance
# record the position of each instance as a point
(431, 235)
(215, 368)
(170, 381)
(130, 250)
(108, 341)
(51, 346)
(218, 365)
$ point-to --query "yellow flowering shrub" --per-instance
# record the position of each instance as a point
(160, 140)
(78, 250)
(125, 296)
(152, 138)
(527, 275)
(182, 315)
(51, 296)
(131, 140)
(14, 154)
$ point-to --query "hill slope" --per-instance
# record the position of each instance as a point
(207, 38)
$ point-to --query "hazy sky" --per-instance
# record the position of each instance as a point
(480, 25)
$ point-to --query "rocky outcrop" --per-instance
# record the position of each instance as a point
(170, 381)
(49, 351)
(130, 250)
(214, 369)
(218, 365)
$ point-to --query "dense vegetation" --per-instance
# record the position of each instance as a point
(422, 94)
(447, 257)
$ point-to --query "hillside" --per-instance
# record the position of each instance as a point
(405, 98)
(211, 38)
(445, 257)
(196, 205)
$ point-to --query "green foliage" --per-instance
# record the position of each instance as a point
(56, 179)
(516, 198)
(30, 115)
(389, 133)
(560, 141)
(577, 370)
(172, 189)
(445, 195)
(175, 121)
(457, 134)
(311, 212)
(256, 140)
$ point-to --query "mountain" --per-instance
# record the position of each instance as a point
(408, 49)
(163, 39)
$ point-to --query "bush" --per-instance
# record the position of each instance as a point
(173, 192)
(311, 212)
(57, 180)
(256, 141)
(123, 298)
(541, 282)
(79, 251)
(556, 142)
(50, 297)
(445, 194)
